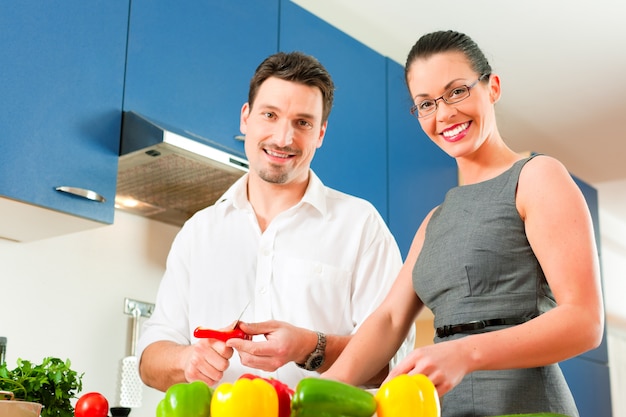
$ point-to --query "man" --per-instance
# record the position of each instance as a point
(310, 263)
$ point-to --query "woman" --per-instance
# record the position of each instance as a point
(507, 263)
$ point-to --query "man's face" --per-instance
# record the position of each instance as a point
(283, 129)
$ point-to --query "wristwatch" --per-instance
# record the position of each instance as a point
(316, 358)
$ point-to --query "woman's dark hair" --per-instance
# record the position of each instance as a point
(297, 67)
(448, 41)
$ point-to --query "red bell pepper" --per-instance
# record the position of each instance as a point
(282, 390)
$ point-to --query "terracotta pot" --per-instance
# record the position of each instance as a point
(16, 408)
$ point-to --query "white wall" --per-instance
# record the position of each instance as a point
(613, 233)
(613, 240)
(64, 297)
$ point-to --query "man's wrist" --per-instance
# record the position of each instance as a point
(315, 359)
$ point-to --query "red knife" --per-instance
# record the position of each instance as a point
(235, 332)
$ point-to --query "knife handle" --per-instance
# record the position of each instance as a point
(203, 333)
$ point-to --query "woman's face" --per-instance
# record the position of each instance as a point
(458, 129)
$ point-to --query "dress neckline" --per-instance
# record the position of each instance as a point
(506, 172)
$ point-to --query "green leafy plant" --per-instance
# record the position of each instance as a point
(52, 383)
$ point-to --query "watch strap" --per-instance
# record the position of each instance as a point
(316, 358)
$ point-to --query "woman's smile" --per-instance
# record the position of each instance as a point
(456, 132)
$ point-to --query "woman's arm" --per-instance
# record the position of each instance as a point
(382, 333)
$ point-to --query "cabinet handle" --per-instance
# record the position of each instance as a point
(82, 192)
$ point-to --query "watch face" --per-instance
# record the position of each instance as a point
(315, 361)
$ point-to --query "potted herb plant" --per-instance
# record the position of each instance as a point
(52, 383)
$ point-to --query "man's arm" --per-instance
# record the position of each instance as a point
(334, 346)
(287, 343)
(159, 368)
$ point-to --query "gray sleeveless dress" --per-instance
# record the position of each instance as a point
(476, 264)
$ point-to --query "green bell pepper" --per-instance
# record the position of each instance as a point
(316, 397)
(186, 399)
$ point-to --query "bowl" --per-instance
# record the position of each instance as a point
(120, 411)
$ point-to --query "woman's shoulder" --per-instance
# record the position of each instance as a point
(543, 168)
(544, 181)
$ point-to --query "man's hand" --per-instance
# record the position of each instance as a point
(285, 343)
(166, 363)
(206, 361)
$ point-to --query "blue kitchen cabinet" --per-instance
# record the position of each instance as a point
(590, 385)
(190, 63)
(588, 374)
(600, 354)
(420, 173)
(353, 157)
(62, 87)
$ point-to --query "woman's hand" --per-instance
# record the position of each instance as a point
(445, 364)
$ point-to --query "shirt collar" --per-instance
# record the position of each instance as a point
(237, 194)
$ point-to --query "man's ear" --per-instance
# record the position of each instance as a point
(320, 140)
(243, 118)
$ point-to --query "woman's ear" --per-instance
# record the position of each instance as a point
(494, 88)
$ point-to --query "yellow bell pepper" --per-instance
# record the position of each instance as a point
(245, 398)
(408, 395)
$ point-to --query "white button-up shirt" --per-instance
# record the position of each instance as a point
(324, 264)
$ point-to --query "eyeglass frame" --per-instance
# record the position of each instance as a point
(415, 112)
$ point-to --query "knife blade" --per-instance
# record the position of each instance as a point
(240, 315)
(233, 332)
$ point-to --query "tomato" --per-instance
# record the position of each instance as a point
(92, 404)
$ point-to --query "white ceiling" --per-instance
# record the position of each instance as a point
(562, 65)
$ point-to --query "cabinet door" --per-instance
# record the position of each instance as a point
(590, 385)
(599, 354)
(588, 374)
(420, 173)
(353, 158)
(61, 89)
(190, 62)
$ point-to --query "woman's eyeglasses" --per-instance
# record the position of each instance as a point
(452, 96)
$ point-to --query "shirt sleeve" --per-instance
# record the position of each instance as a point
(376, 272)
(169, 320)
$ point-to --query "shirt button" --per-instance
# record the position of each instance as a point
(263, 290)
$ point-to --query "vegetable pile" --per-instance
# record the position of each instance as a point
(254, 396)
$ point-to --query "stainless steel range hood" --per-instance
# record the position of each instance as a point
(168, 174)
